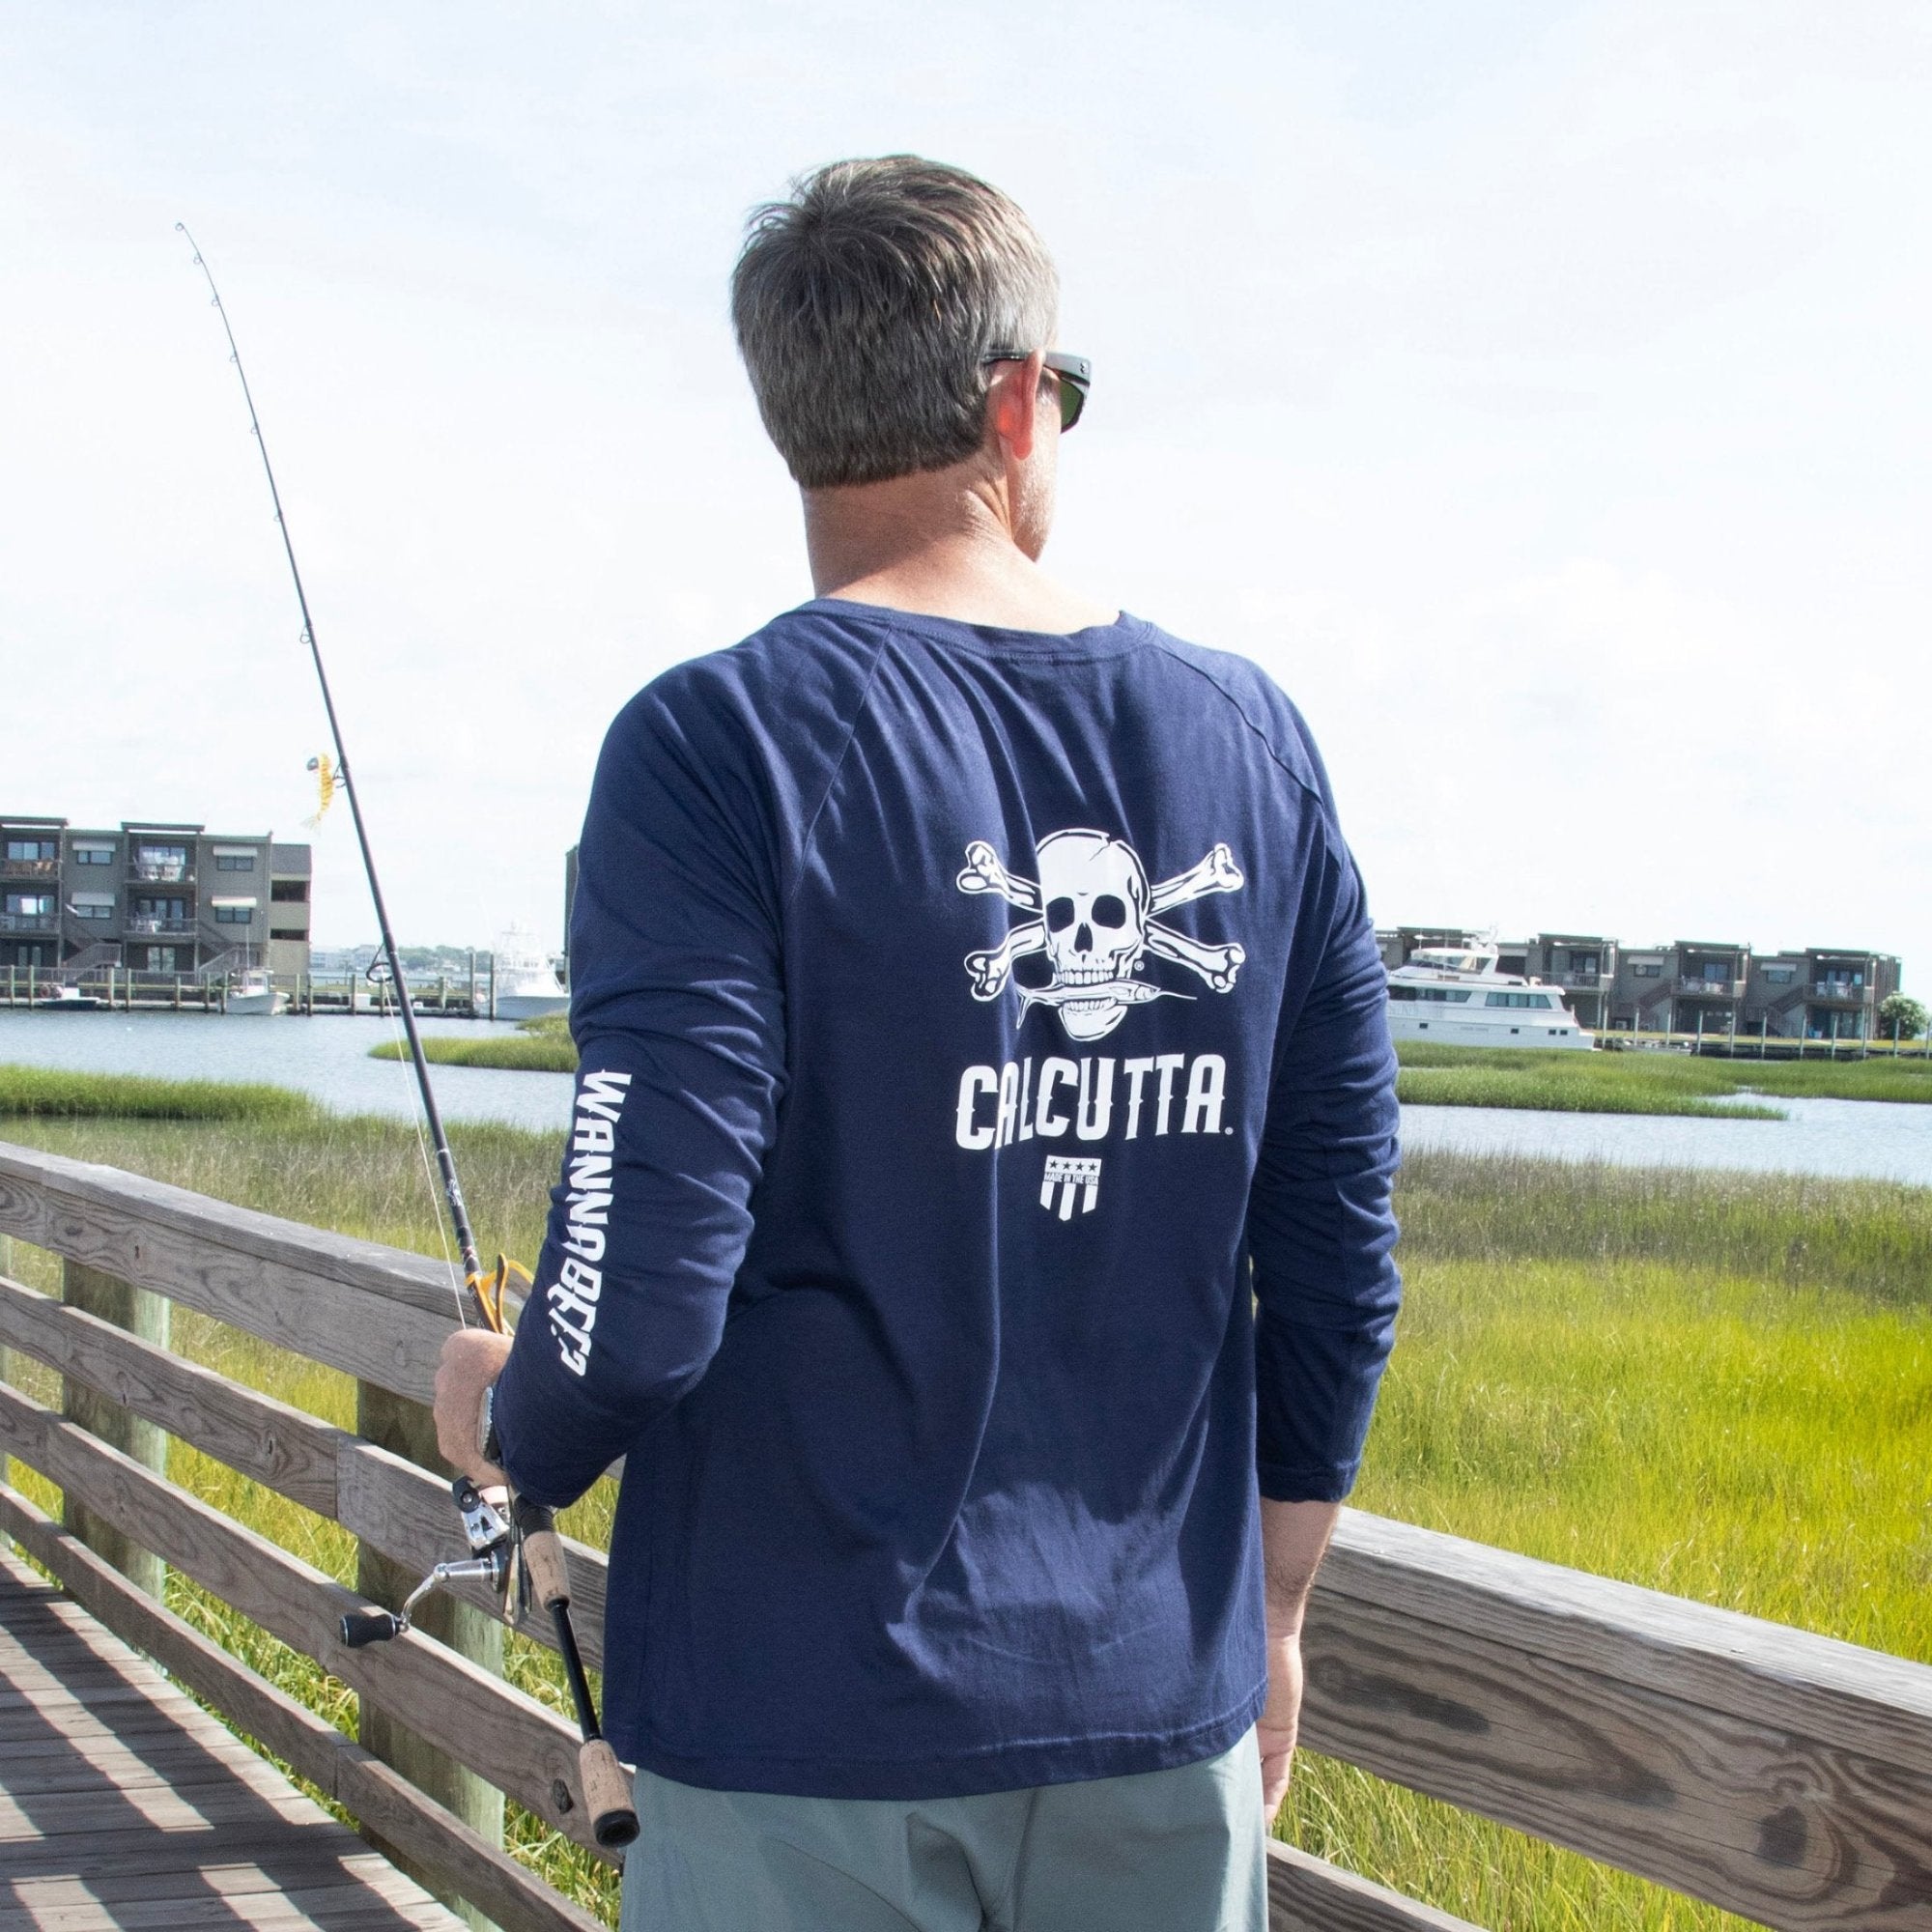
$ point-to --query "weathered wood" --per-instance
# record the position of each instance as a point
(7, 1370)
(373, 1312)
(1309, 1895)
(291, 1452)
(1763, 1821)
(1836, 1693)
(388, 1502)
(496, 1730)
(111, 1300)
(106, 1854)
(406, 1431)
(367, 1788)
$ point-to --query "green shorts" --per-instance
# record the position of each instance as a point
(1166, 1851)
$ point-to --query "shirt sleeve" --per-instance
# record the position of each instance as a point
(1321, 1224)
(678, 1016)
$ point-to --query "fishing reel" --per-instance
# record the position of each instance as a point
(491, 1560)
(516, 1549)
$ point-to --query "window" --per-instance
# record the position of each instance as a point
(233, 915)
(32, 850)
(1427, 993)
(1585, 962)
(162, 960)
(235, 861)
(1647, 969)
(289, 892)
(30, 905)
(282, 932)
(92, 905)
(1779, 975)
(93, 855)
(1519, 1000)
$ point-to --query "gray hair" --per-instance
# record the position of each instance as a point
(865, 304)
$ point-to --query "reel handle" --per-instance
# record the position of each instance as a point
(607, 1795)
(364, 1627)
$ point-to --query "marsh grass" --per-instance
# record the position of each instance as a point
(518, 1053)
(51, 1092)
(1569, 1081)
(1720, 1386)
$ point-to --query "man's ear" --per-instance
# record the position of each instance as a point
(1012, 404)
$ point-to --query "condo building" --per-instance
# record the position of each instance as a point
(150, 896)
(1708, 987)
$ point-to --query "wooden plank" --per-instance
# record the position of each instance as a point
(385, 1500)
(1309, 1895)
(292, 1453)
(199, 1836)
(116, 1303)
(1835, 1692)
(514, 1897)
(373, 1312)
(1767, 1823)
(509, 1737)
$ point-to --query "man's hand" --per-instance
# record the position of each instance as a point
(1293, 1538)
(1280, 1721)
(471, 1360)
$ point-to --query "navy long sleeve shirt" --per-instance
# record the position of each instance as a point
(978, 1190)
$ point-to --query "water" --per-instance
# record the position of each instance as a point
(1873, 1140)
(327, 1059)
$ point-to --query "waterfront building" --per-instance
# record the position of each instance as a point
(152, 897)
(1713, 988)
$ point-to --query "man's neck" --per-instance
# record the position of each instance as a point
(938, 547)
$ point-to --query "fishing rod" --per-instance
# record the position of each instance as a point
(513, 1541)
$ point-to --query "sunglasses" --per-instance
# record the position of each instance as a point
(1075, 374)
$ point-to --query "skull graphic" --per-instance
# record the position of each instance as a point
(1095, 916)
(1094, 897)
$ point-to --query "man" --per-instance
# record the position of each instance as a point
(976, 1227)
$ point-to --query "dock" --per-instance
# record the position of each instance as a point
(1782, 1776)
(123, 1803)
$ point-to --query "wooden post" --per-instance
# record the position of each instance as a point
(405, 1428)
(7, 1268)
(141, 1313)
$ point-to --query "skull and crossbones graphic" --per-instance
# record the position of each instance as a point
(1095, 917)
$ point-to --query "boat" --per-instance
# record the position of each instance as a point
(67, 1000)
(1457, 995)
(525, 984)
(252, 992)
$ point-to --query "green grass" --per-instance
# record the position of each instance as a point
(1716, 1385)
(1629, 1082)
(538, 1046)
(49, 1092)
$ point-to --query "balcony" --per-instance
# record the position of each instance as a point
(28, 922)
(1582, 983)
(143, 927)
(1711, 989)
(29, 868)
(161, 872)
(1839, 989)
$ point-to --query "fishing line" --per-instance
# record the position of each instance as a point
(523, 1556)
(452, 1187)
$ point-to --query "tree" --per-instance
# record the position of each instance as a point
(1899, 1014)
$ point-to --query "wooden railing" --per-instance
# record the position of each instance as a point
(1784, 1776)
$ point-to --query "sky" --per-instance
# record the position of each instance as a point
(1539, 391)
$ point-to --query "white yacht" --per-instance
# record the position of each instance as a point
(526, 983)
(1456, 996)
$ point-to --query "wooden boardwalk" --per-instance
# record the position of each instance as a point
(123, 1803)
